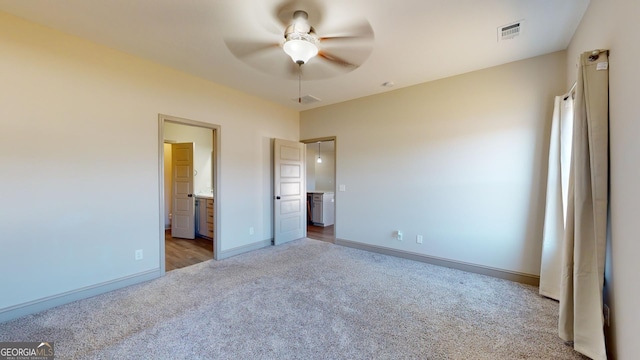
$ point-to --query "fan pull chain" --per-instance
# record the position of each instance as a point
(299, 83)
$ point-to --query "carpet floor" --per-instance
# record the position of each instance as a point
(306, 299)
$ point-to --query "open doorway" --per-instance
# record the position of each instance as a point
(189, 207)
(321, 186)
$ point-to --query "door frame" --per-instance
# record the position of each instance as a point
(216, 129)
(335, 176)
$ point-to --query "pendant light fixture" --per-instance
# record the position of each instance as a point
(319, 161)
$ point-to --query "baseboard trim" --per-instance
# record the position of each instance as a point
(31, 307)
(459, 265)
(243, 249)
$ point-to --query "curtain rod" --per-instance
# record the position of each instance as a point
(571, 91)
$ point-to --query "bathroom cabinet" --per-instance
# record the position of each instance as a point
(321, 205)
(205, 216)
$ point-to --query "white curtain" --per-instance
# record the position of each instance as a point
(557, 196)
(581, 319)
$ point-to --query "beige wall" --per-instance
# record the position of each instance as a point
(321, 176)
(325, 171)
(79, 151)
(459, 161)
(310, 166)
(612, 25)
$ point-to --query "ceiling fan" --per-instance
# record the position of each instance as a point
(296, 47)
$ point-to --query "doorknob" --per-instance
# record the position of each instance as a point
(189, 195)
(277, 197)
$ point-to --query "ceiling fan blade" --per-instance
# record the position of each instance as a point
(280, 68)
(359, 29)
(246, 48)
(333, 38)
(342, 50)
(336, 60)
(270, 24)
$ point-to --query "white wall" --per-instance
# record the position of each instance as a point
(459, 161)
(613, 25)
(79, 152)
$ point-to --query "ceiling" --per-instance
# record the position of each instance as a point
(414, 40)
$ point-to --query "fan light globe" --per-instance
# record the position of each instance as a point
(300, 50)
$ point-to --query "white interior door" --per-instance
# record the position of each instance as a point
(183, 209)
(289, 190)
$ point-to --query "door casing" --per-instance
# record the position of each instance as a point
(217, 135)
(335, 176)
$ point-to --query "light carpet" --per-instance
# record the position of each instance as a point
(305, 300)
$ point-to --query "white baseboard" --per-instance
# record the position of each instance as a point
(459, 265)
(49, 302)
(243, 249)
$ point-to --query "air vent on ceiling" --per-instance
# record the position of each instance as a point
(307, 99)
(510, 31)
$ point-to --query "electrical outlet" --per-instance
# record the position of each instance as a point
(139, 255)
(419, 239)
(607, 315)
(251, 230)
(399, 235)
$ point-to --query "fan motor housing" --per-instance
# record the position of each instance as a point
(299, 25)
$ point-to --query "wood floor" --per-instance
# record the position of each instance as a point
(180, 253)
(321, 233)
